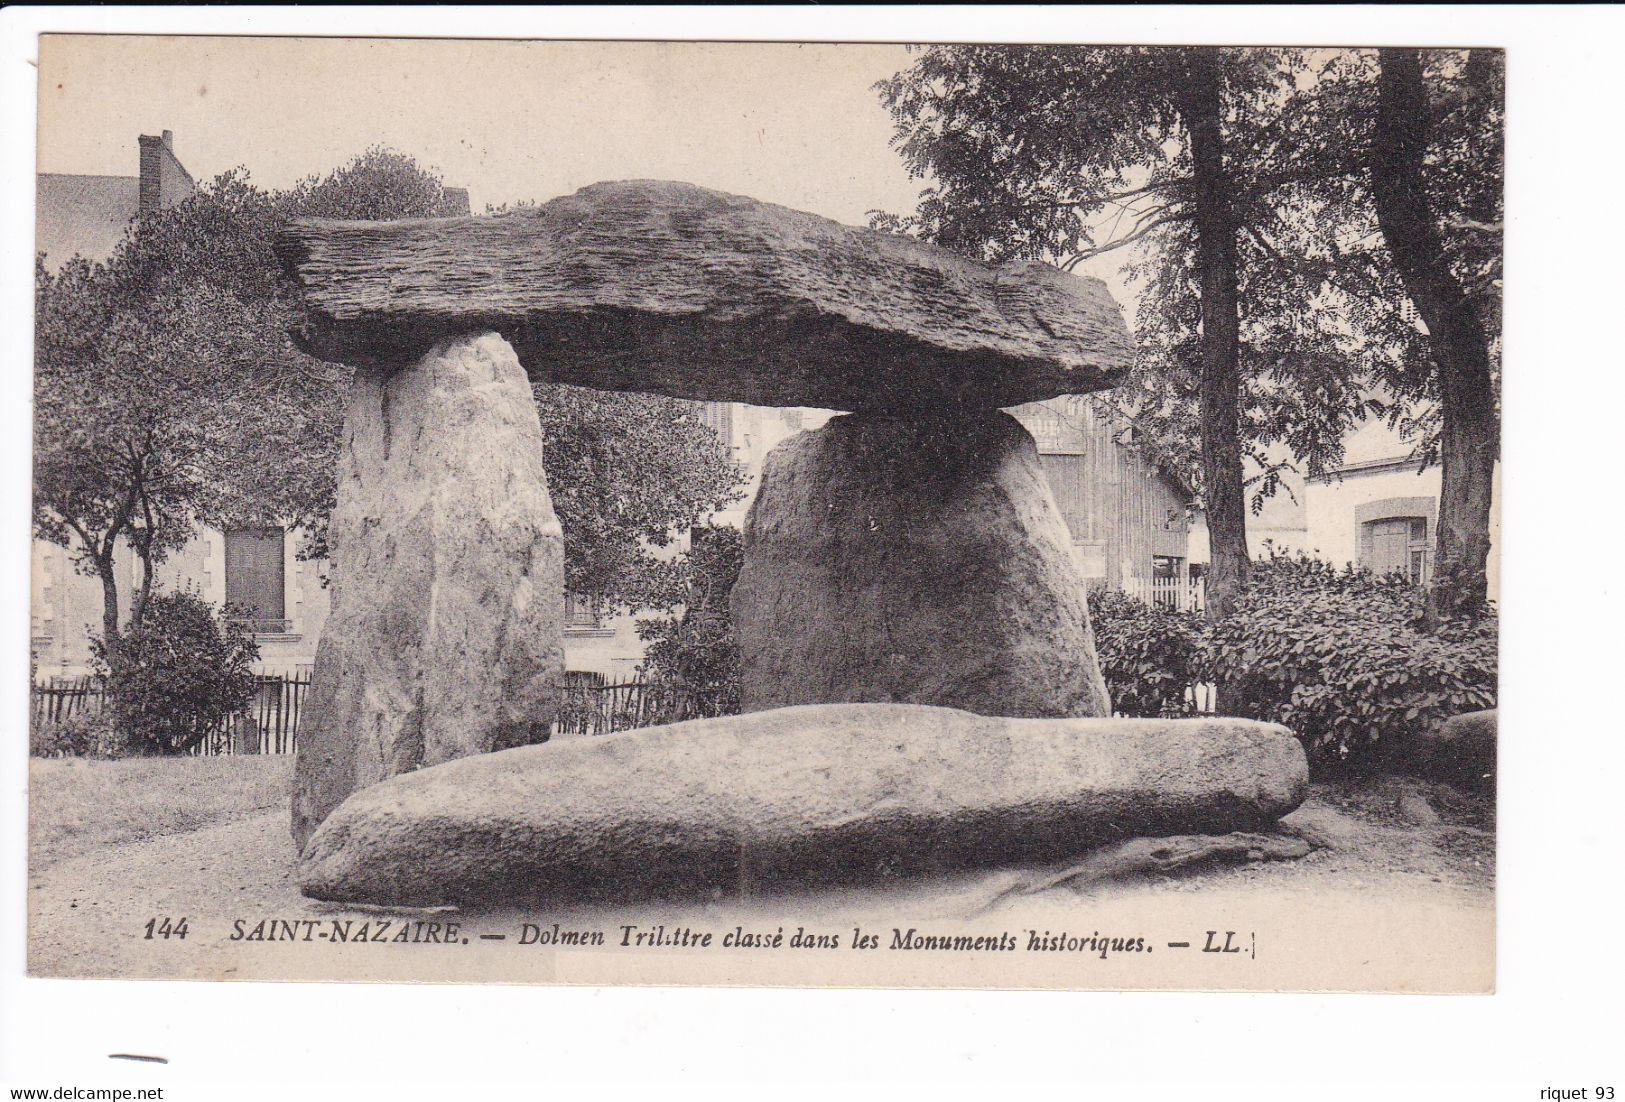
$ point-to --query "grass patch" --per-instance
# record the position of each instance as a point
(76, 806)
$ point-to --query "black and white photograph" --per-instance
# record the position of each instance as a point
(1038, 541)
(929, 513)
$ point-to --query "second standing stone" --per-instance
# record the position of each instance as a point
(916, 560)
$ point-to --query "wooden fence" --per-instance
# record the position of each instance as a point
(592, 706)
(64, 697)
(1185, 595)
(270, 723)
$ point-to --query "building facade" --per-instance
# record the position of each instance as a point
(1130, 521)
(1380, 509)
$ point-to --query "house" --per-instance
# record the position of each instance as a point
(258, 569)
(87, 215)
(1380, 508)
(1130, 520)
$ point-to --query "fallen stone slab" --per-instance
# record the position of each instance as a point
(820, 794)
(674, 289)
(915, 561)
(446, 635)
(1154, 856)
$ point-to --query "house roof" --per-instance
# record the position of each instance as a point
(83, 215)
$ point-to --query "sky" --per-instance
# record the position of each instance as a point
(798, 125)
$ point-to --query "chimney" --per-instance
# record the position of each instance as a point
(150, 189)
(163, 181)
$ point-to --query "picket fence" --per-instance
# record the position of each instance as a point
(1185, 595)
(270, 723)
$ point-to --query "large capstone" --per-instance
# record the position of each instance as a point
(446, 634)
(835, 793)
(913, 560)
(674, 289)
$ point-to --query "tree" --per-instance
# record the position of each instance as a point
(1412, 215)
(1200, 100)
(1402, 227)
(1070, 153)
(628, 472)
(176, 673)
(124, 397)
(691, 642)
(167, 391)
(168, 394)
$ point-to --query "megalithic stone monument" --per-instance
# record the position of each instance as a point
(918, 560)
(835, 793)
(446, 636)
(673, 289)
(669, 288)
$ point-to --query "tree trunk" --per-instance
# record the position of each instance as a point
(1201, 106)
(1470, 424)
(138, 607)
(104, 570)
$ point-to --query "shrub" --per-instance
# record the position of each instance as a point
(1345, 658)
(1148, 654)
(174, 676)
(83, 735)
(693, 648)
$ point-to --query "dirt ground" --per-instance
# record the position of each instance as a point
(1393, 896)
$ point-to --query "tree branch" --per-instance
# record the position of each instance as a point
(1089, 254)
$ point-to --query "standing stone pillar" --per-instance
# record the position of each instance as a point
(914, 559)
(446, 635)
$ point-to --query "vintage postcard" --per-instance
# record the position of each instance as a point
(812, 514)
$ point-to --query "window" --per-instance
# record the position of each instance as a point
(1397, 545)
(582, 613)
(718, 417)
(1166, 566)
(254, 578)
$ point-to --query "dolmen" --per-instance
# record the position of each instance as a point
(907, 553)
(818, 794)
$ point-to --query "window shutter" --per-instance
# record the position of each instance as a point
(254, 574)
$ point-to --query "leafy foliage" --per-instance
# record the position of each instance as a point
(1343, 657)
(626, 472)
(89, 734)
(1149, 654)
(1070, 153)
(168, 393)
(693, 645)
(1347, 659)
(174, 675)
